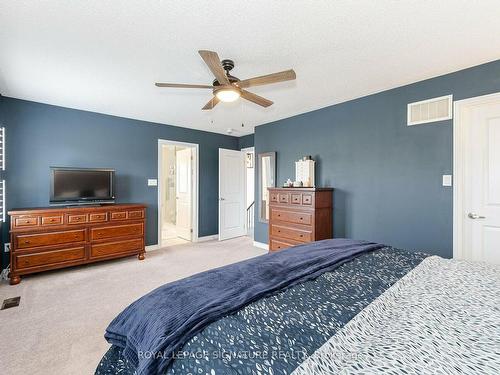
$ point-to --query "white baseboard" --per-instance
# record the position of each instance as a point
(208, 238)
(200, 239)
(261, 245)
(152, 247)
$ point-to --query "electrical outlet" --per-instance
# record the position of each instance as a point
(6, 247)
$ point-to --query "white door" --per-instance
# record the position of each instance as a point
(231, 194)
(481, 189)
(183, 193)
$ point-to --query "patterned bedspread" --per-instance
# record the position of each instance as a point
(274, 335)
(443, 317)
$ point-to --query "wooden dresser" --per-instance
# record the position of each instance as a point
(299, 215)
(43, 239)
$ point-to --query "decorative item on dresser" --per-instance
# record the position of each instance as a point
(299, 215)
(48, 238)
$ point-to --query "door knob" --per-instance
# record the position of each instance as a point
(474, 216)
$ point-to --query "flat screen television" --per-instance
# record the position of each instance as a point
(81, 186)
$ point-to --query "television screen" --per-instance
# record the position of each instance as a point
(70, 184)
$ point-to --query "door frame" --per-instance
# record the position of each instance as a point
(246, 149)
(195, 184)
(458, 167)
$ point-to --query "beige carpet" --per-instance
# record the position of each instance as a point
(58, 327)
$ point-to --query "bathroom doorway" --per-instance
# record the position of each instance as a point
(177, 192)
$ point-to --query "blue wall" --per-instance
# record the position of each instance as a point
(245, 141)
(387, 176)
(40, 135)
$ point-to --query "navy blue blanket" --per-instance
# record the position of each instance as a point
(153, 328)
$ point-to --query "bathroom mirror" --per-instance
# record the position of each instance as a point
(267, 178)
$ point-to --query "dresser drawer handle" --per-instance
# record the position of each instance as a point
(301, 235)
(26, 242)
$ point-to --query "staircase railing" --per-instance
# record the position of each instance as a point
(250, 216)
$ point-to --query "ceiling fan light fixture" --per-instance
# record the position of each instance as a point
(227, 95)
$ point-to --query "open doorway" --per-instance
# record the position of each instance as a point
(250, 189)
(177, 192)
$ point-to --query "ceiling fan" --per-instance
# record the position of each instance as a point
(227, 88)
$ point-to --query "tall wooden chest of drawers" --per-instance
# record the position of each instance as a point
(43, 239)
(299, 215)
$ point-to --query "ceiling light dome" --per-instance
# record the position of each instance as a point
(227, 95)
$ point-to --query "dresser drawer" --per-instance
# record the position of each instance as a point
(296, 198)
(77, 218)
(98, 218)
(292, 216)
(49, 257)
(274, 197)
(116, 231)
(25, 221)
(24, 241)
(291, 233)
(284, 198)
(52, 220)
(106, 249)
(122, 215)
(276, 244)
(136, 214)
(307, 199)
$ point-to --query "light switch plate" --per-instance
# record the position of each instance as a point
(447, 180)
(152, 182)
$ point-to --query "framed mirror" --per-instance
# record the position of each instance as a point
(267, 178)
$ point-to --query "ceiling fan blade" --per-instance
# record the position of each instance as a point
(255, 98)
(286, 75)
(212, 60)
(212, 103)
(183, 86)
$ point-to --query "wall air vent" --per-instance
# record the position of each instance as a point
(436, 109)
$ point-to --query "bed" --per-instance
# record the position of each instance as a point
(334, 306)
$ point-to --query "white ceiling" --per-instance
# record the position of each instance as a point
(104, 56)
